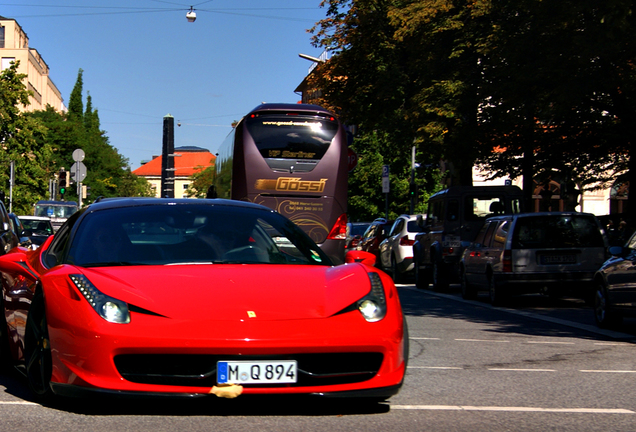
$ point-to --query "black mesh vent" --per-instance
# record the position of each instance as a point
(200, 370)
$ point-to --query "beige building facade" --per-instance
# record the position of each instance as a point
(14, 46)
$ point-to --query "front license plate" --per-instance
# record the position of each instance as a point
(557, 259)
(256, 372)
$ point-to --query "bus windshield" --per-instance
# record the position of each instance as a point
(291, 141)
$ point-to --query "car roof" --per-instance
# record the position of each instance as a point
(59, 203)
(106, 203)
(538, 214)
(30, 217)
(462, 190)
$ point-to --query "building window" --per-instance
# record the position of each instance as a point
(6, 62)
(1, 37)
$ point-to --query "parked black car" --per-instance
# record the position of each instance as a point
(8, 239)
(615, 284)
(355, 230)
(19, 230)
(370, 242)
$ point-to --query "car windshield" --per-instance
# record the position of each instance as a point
(55, 211)
(190, 234)
(38, 227)
(557, 231)
(358, 229)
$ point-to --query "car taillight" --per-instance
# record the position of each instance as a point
(507, 261)
(405, 241)
(339, 230)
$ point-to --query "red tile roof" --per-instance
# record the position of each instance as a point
(187, 164)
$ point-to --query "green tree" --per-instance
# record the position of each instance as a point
(552, 76)
(19, 135)
(201, 181)
(524, 87)
(108, 172)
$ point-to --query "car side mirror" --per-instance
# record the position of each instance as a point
(421, 221)
(616, 251)
(5, 226)
(357, 256)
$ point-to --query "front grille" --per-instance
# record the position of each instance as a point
(194, 370)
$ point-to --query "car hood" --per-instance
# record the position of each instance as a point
(230, 291)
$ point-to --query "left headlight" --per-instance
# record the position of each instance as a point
(373, 305)
(109, 308)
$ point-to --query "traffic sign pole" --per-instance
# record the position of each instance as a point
(386, 187)
(79, 169)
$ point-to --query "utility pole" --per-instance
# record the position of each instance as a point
(412, 189)
(167, 158)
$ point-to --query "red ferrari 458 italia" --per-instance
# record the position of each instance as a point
(148, 296)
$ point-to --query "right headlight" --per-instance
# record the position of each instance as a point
(373, 305)
(109, 308)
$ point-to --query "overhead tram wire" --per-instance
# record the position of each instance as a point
(120, 10)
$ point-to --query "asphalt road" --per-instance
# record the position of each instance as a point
(532, 366)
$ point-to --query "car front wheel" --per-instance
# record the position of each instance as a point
(469, 292)
(497, 297)
(398, 277)
(440, 276)
(421, 278)
(604, 315)
(39, 364)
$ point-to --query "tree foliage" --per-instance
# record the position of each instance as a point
(108, 173)
(523, 87)
(202, 179)
(20, 137)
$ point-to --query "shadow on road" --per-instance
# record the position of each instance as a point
(262, 405)
(533, 315)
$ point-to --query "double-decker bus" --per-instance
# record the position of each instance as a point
(292, 158)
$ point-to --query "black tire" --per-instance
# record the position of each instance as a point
(5, 352)
(440, 276)
(497, 297)
(421, 277)
(469, 292)
(398, 277)
(604, 315)
(37, 352)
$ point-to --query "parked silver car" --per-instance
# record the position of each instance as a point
(396, 251)
(552, 253)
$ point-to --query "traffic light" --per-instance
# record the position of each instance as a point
(413, 193)
(62, 182)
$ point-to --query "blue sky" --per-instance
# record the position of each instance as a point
(143, 60)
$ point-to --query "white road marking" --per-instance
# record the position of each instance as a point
(607, 371)
(521, 370)
(423, 338)
(512, 409)
(482, 340)
(613, 344)
(17, 403)
(550, 342)
(434, 367)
